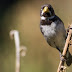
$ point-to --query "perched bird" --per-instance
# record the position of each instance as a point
(53, 30)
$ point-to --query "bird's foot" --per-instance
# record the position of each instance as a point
(62, 57)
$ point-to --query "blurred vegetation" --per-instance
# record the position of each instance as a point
(24, 16)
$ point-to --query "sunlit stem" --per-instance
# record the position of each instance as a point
(15, 33)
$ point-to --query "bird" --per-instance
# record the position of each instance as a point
(53, 30)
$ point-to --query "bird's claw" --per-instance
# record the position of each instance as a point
(63, 58)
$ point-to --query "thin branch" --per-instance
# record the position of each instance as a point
(23, 50)
(61, 64)
(15, 33)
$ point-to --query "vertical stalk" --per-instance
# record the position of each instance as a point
(15, 33)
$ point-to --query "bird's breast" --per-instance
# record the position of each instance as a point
(48, 30)
(54, 34)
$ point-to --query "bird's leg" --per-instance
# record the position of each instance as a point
(61, 56)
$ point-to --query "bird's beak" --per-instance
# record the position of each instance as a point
(45, 9)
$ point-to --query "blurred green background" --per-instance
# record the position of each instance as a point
(24, 16)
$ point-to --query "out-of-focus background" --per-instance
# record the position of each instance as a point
(24, 16)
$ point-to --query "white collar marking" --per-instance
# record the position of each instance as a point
(44, 18)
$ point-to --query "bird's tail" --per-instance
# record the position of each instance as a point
(69, 58)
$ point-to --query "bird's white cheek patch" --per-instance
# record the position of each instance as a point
(43, 18)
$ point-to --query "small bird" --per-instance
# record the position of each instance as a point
(53, 30)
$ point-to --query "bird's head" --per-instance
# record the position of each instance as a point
(47, 11)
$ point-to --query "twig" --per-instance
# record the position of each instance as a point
(23, 50)
(15, 33)
(60, 68)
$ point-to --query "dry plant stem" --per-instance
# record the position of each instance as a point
(15, 33)
(65, 49)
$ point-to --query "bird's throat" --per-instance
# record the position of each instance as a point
(47, 18)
